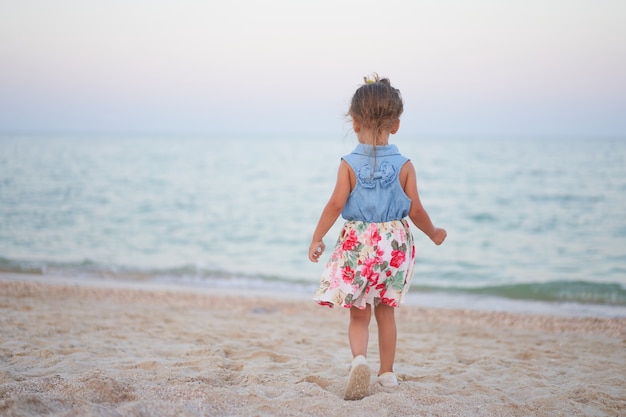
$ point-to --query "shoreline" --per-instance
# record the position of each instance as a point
(614, 326)
(304, 292)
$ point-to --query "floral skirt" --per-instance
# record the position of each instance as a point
(371, 263)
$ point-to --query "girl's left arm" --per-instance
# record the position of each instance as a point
(417, 213)
(331, 211)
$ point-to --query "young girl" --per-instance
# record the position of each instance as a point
(372, 264)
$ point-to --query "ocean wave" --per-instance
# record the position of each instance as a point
(584, 292)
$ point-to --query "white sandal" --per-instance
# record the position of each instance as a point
(359, 379)
(388, 380)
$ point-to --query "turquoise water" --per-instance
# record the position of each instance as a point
(527, 219)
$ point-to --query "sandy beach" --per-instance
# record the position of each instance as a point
(70, 349)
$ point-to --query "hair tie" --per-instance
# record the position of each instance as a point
(375, 78)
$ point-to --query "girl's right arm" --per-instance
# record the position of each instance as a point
(333, 209)
(418, 214)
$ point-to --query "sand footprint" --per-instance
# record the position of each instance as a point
(314, 379)
(147, 365)
(274, 357)
(102, 389)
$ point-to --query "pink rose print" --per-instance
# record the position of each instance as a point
(350, 242)
(368, 268)
(347, 274)
(379, 256)
(397, 258)
(374, 236)
(388, 301)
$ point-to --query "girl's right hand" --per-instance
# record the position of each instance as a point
(439, 236)
(315, 250)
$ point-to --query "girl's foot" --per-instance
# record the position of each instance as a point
(359, 379)
(388, 380)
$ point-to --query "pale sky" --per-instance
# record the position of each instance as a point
(466, 67)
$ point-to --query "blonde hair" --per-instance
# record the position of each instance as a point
(376, 105)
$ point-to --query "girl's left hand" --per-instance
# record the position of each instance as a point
(439, 236)
(316, 250)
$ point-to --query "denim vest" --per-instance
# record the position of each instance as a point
(377, 196)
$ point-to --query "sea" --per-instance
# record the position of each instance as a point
(535, 224)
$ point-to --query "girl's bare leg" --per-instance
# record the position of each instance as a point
(358, 330)
(387, 333)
